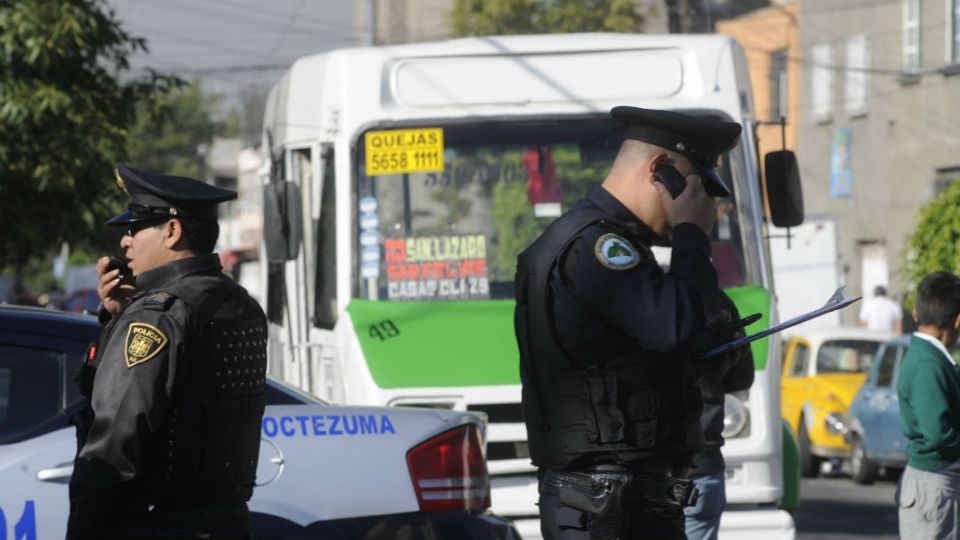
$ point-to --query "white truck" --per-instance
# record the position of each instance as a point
(401, 182)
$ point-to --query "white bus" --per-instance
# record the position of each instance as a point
(401, 182)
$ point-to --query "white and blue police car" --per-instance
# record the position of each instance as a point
(325, 471)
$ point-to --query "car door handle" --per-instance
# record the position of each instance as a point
(59, 474)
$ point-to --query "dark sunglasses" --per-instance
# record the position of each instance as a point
(136, 226)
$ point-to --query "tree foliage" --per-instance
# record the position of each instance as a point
(935, 244)
(170, 135)
(501, 17)
(66, 100)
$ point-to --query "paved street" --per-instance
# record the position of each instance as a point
(838, 509)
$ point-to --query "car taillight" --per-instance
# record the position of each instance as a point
(449, 471)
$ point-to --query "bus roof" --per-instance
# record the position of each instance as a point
(343, 90)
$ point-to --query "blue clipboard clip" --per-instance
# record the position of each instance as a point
(837, 301)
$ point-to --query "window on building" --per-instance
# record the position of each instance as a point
(911, 35)
(822, 80)
(857, 76)
(944, 177)
(778, 84)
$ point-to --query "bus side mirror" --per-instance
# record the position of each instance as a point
(784, 194)
(282, 221)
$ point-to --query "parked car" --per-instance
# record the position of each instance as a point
(874, 417)
(875, 437)
(325, 471)
(822, 370)
(81, 301)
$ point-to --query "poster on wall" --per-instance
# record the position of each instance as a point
(449, 267)
(841, 177)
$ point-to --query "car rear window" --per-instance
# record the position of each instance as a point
(30, 388)
(846, 356)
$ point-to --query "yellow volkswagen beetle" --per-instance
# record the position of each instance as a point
(822, 371)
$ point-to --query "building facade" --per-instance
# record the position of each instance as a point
(878, 123)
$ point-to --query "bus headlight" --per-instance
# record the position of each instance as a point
(736, 417)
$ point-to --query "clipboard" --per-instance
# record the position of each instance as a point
(837, 301)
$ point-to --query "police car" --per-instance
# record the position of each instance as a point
(325, 471)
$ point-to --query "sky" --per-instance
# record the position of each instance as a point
(234, 44)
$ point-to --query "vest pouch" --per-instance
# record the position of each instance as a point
(644, 409)
(608, 420)
(571, 406)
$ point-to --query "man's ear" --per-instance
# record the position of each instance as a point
(660, 158)
(172, 233)
(914, 313)
(656, 160)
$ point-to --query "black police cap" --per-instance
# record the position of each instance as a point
(154, 196)
(698, 138)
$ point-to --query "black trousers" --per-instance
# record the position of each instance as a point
(646, 511)
(221, 521)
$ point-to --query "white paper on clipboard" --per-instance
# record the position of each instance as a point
(837, 301)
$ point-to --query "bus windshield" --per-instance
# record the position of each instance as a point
(454, 233)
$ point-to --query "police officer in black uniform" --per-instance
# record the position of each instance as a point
(169, 442)
(708, 468)
(609, 342)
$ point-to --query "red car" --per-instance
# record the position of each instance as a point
(82, 301)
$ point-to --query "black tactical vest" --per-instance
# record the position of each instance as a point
(208, 445)
(638, 406)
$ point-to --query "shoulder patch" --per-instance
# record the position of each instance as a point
(614, 252)
(144, 341)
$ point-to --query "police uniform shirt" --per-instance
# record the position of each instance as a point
(606, 306)
(137, 361)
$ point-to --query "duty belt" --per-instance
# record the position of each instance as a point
(652, 467)
(592, 487)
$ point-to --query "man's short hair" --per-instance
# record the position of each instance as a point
(938, 299)
(199, 235)
(879, 290)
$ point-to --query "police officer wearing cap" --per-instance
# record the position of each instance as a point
(609, 342)
(168, 443)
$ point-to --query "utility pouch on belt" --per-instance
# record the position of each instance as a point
(590, 496)
(599, 499)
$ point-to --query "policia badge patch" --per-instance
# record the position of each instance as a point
(615, 252)
(143, 343)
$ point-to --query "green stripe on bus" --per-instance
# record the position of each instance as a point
(439, 344)
(470, 343)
